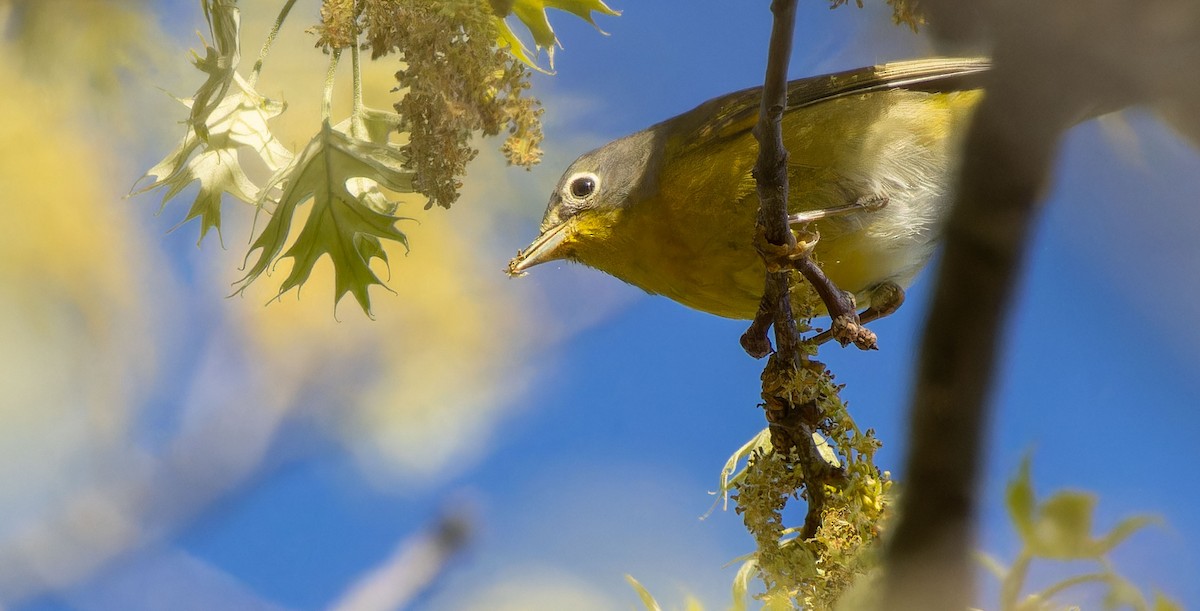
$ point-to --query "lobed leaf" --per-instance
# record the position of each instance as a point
(1020, 500)
(532, 13)
(236, 126)
(219, 63)
(341, 224)
(643, 594)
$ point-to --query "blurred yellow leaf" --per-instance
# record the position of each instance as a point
(73, 282)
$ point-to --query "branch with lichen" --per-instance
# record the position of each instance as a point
(814, 450)
(829, 462)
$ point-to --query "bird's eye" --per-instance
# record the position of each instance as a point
(583, 186)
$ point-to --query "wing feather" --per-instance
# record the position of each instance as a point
(733, 115)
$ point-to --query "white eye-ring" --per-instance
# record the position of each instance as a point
(582, 186)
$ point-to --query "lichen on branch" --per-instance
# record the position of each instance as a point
(813, 564)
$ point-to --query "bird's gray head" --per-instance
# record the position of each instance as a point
(592, 195)
(612, 176)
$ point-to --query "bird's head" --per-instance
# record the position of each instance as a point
(591, 200)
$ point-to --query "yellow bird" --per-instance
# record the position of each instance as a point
(671, 209)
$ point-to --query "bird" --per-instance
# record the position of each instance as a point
(671, 209)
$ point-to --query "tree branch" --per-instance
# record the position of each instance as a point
(792, 421)
(778, 245)
(1002, 176)
(771, 178)
(1053, 65)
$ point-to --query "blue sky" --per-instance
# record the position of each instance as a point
(589, 453)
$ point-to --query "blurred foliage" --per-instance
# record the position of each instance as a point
(75, 283)
(94, 321)
(63, 52)
(461, 72)
(1060, 529)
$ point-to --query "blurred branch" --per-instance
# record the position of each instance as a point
(1054, 64)
(413, 568)
(1001, 179)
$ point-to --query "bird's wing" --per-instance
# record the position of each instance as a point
(735, 114)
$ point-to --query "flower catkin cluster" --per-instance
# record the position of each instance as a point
(338, 28)
(455, 81)
(815, 572)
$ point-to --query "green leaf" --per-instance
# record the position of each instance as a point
(507, 39)
(731, 475)
(644, 594)
(532, 13)
(741, 583)
(1162, 603)
(1121, 531)
(581, 8)
(1021, 501)
(1062, 529)
(342, 224)
(1123, 595)
(236, 127)
(1064, 524)
(219, 63)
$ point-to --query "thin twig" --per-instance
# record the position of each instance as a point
(770, 174)
(356, 101)
(780, 250)
(266, 48)
(327, 93)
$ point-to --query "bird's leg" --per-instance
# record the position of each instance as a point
(886, 298)
(847, 325)
(866, 203)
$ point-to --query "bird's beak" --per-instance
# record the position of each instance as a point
(552, 245)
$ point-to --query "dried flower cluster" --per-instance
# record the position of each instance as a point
(907, 12)
(455, 82)
(338, 27)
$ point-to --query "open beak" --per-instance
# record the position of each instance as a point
(550, 246)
